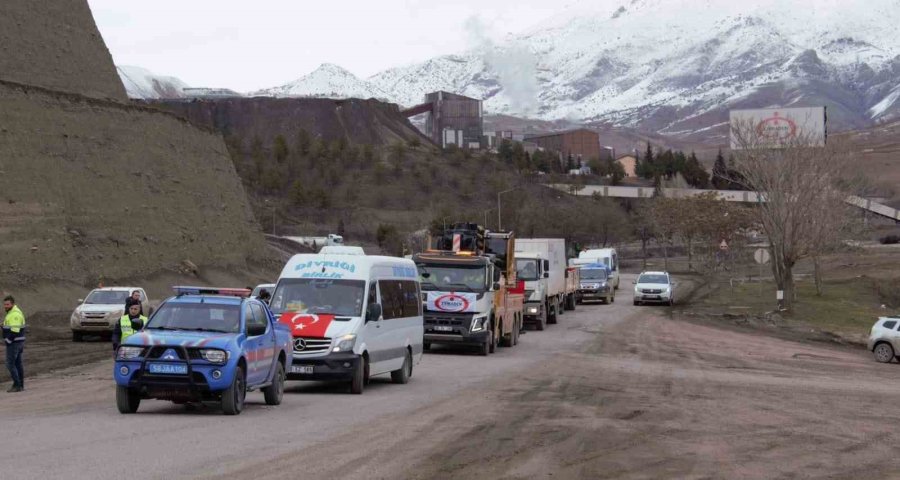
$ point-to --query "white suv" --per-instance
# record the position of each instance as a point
(884, 339)
(654, 287)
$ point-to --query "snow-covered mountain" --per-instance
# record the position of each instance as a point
(330, 81)
(143, 84)
(672, 66)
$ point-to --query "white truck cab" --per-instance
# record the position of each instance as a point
(607, 256)
(352, 316)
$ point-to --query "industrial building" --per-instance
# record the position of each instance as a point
(452, 119)
(582, 144)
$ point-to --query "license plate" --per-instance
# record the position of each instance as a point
(168, 368)
(652, 297)
(443, 328)
(301, 369)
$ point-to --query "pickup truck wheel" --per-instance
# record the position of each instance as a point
(127, 400)
(402, 376)
(360, 375)
(275, 392)
(77, 337)
(233, 397)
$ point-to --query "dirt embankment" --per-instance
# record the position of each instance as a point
(56, 45)
(357, 121)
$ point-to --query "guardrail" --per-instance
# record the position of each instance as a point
(727, 195)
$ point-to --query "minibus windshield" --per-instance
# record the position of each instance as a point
(319, 296)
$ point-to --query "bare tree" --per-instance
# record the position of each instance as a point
(802, 185)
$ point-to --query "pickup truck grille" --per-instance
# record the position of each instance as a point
(311, 345)
(159, 350)
(94, 315)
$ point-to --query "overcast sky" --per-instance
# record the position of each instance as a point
(247, 45)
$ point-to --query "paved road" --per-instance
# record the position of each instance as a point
(611, 392)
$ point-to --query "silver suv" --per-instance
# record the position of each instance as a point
(884, 339)
(654, 287)
(98, 313)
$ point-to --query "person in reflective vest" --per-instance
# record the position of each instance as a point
(128, 325)
(14, 337)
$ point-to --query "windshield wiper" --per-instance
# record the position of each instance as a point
(428, 283)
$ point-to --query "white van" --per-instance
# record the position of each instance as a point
(352, 316)
(607, 256)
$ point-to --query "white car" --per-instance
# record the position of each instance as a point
(884, 339)
(99, 312)
(654, 287)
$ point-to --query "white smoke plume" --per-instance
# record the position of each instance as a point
(514, 65)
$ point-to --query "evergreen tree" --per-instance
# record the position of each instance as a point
(280, 148)
(505, 151)
(694, 172)
(720, 175)
(649, 169)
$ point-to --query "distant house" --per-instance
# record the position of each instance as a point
(628, 162)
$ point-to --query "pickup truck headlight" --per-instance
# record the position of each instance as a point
(478, 323)
(532, 310)
(214, 356)
(129, 353)
(116, 315)
(345, 343)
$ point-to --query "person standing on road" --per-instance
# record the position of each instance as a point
(128, 325)
(14, 337)
(135, 298)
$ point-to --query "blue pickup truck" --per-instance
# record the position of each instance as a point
(205, 345)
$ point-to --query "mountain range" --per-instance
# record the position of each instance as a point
(673, 67)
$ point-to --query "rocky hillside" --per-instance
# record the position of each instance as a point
(356, 121)
(97, 187)
(56, 45)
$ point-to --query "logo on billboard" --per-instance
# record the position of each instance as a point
(776, 128)
(451, 303)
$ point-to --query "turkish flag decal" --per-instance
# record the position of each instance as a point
(306, 324)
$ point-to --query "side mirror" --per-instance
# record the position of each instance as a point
(546, 274)
(256, 330)
(634, 282)
(80, 301)
(373, 312)
(496, 286)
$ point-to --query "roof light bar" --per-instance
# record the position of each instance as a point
(229, 292)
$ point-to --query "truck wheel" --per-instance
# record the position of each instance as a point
(507, 339)
(402, 376)
(570, 301)
(515, 335)
(127, 400)
(542, 320)
(275, 392)
(553, 317)
(360, 375)
(495, 339)
(486, 346)
(77, 337)
(233, 396)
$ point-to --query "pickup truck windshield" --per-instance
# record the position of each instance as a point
(107, 297)
(526, 269)
(197, 316)
(593, 274)
(457, 279)
(318, 295)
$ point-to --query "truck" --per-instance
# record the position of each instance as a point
(204, 345)
(606, 256)
(99, 312)
(550, 285)
(470, 292)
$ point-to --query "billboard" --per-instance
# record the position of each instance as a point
(777, 127)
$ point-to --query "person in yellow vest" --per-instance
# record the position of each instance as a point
(128, 325)
(14, 337)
